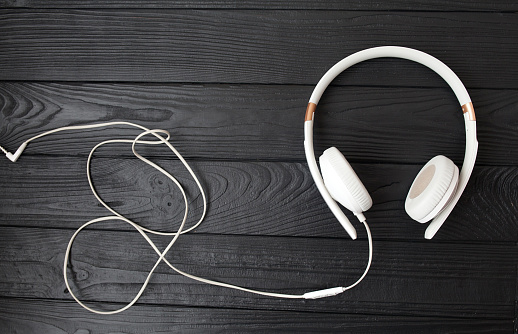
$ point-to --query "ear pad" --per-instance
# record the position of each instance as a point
(342, 182)
(432, 189)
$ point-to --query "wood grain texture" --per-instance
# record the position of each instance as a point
(249, 198)
(47, 316)
(421, 279)
(263, 122)
(349, 5)
(231, 80)
(229, 46)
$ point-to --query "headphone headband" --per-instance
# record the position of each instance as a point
(404, 53)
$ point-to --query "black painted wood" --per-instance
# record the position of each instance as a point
(231, 80)
(249, 198)
(37, 316)
(422, 279)
(263, 122)
(286, 47)
(349, 5)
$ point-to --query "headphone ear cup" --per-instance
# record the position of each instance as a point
(342, 182)
(432, 189)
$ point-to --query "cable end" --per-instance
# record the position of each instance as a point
(324, 293)
(360, 216)
(16, 155)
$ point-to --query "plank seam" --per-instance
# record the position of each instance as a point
(143, 304)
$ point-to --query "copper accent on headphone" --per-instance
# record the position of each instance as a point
(310, 110)
(468, 108)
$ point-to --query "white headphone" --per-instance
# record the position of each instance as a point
(437, 187)
(435, 190)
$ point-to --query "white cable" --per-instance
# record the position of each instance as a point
(369, 236)
(142, 230)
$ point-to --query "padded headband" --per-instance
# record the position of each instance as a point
(417, 56)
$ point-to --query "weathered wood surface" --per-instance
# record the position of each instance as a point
(250, 198)
(421, 279)
(231, 80)
(285, 47)
(263, 122)
(44, 316)
(349, 5)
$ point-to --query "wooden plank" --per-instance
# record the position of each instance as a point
(406, 279)
(49, 316)
(229, 46)
(516, 303)
(262, 122)
(436, 5)
(251, 198)
(268, 227)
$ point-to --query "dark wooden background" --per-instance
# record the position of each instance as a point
(231, 80)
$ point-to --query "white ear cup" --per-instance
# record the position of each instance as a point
(432, 189)
(342, 182)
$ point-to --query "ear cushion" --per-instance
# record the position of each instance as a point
(432, 189)
(342, 182)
